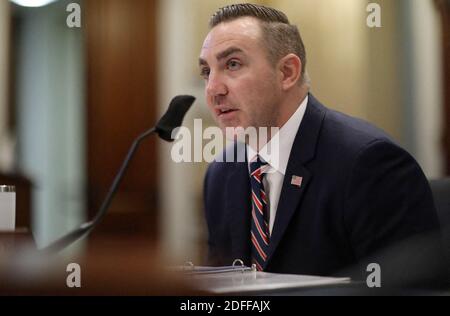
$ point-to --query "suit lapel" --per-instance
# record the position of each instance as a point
(290, 198)
(303, 150)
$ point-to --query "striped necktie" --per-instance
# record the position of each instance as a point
(260, 234)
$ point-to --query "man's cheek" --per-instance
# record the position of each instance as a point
(211, 108)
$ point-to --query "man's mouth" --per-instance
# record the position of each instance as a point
(221, 112)
(226, 114)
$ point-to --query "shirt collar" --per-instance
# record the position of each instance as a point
(286, 136)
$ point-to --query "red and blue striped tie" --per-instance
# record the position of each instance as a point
(260, 233)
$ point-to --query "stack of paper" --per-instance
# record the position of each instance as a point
(242, 282)
(209, 270)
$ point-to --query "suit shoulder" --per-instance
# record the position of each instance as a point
(352, 133)
(356, 143)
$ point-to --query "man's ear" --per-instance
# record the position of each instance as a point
(290, 67)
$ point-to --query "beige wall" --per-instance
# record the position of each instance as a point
(385, 105)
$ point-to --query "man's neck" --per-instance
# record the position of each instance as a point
(291, 104)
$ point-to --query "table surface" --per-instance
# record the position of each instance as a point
(132, 266)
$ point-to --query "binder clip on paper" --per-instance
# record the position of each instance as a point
(239, 263)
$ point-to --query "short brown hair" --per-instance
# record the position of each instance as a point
(280, 37)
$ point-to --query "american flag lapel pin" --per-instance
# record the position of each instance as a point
(297, 181)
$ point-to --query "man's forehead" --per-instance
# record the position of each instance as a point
(245, 30)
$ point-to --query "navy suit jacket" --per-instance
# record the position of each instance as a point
(360, 193)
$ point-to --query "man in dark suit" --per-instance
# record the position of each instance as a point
(341, 191)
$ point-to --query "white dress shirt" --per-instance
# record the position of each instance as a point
(275, 171)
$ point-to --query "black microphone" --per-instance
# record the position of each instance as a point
(172, 119)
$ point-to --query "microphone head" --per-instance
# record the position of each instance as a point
(173, 118)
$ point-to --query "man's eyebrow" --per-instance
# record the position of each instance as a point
(221, 55)
(228, 52)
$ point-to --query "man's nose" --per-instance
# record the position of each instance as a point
(215, 86)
